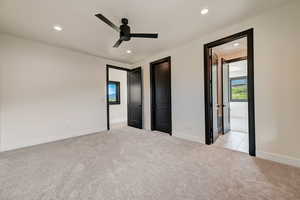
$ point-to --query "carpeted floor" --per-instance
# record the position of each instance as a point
(130, 164)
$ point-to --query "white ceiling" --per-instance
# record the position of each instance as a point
(237, 69)
(230, 49)
(176, 21)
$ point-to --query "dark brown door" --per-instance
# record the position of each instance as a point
(135, 109)
(214, 101)
(226, 96)
(161, 95)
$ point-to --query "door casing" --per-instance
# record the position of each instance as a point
(208, 90)
(152, 79)
(107, 96)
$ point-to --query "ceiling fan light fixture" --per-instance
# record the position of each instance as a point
(128, 51)
(57, 28)
(204, 11)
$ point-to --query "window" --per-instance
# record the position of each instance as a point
(114, 92)
(238, 89)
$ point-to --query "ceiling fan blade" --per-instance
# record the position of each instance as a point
(118, 43)
(108, 22)
(144, 35)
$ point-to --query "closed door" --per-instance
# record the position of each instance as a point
(161, 95)
(135, 109)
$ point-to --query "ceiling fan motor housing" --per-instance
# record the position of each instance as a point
(125, 30)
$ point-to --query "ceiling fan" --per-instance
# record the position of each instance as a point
(124, 30)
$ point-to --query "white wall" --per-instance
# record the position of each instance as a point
(49, 93)
(277, 88)
(238, 110)
(239, 116)
(118, 112)
(238, 69)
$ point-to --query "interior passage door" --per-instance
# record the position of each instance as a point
(226, 97)
(215, 105)
(161, 96)
(135, 109)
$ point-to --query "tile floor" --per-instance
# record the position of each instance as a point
(233, 140)
(118, 125)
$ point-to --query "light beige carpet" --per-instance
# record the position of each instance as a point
(130, 164)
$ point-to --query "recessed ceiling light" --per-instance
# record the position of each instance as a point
(128, 51)
(236, 44)
(57, 28)
(204, 11)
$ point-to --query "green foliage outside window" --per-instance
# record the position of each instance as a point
(238, 89)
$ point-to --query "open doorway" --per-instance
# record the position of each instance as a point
(124, 97)
(229, 93)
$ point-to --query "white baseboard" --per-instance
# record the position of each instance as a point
(49, 140)
(278, 158)
(264, 155)
(118, 121)
(188, 137)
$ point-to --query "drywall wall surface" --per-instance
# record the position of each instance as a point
(49, 93)
(118, 112)
(277, 90)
